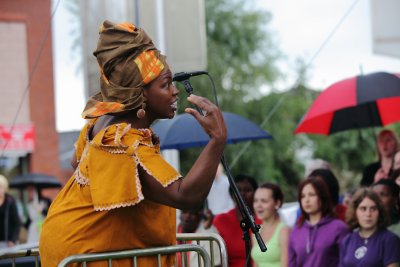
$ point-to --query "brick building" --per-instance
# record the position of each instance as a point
(27, 87)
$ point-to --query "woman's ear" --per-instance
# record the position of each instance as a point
(144, 92)
(278, 204)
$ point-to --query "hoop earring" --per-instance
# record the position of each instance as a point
(141, 112)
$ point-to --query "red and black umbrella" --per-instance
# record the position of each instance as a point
(354, 103)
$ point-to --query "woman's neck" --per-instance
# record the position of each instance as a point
(315, 218)
(386, 163)
(268, 222)
(127, 118)
(366, 233)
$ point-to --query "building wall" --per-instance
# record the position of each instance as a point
(14, 66)
(36, 15)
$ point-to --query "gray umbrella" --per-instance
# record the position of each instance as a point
(38, 180)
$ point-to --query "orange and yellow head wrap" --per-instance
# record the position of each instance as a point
(128, 61)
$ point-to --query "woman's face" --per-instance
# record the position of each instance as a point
(387, 145)
(347, 199)
(386, 197)
(190, 220)
(161, 97)
(367, 214)
(310, 200)
(264, 204)
(246, 191)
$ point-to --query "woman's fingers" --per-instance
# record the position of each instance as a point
(199, 101)
(203, 103)
(212, 121)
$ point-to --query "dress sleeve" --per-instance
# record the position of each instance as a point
(150, 158)
(113, 158)
(113, 180)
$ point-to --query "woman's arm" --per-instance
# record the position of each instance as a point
(191, 190)
(284, 244)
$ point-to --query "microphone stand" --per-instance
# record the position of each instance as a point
(247, 222)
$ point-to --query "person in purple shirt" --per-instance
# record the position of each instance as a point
(370, 244)
(315, 238)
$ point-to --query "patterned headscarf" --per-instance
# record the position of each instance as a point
(128, 61)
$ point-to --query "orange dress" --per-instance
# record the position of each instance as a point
(102, 208)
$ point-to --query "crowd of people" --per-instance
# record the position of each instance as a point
(362, 229)
(21, 216)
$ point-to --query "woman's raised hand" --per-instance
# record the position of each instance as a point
(212, 122)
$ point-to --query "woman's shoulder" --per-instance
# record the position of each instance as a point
(388, 236)
(282, 226)
(338, 225)
(284, 230)
(10, 199)
(298, 228)
(334, 221)
(352, 235)
(122, 135)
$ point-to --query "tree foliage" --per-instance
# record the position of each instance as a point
(276, 160)
(241, 53)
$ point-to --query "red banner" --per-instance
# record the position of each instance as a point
(20, 138)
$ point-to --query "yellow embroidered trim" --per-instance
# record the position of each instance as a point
(79, 178)
(117, 205)
(173, 179)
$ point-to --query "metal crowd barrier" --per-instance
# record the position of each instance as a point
(134, 253)
(198, 246)
(27, 253)
(213, 240)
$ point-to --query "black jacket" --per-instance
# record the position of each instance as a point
(9, 220)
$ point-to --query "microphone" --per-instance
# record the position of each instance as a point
(181, 76)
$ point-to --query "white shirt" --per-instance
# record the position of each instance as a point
(206, 245)
(219, 199)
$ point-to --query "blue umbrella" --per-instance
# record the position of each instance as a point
(184, 131)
